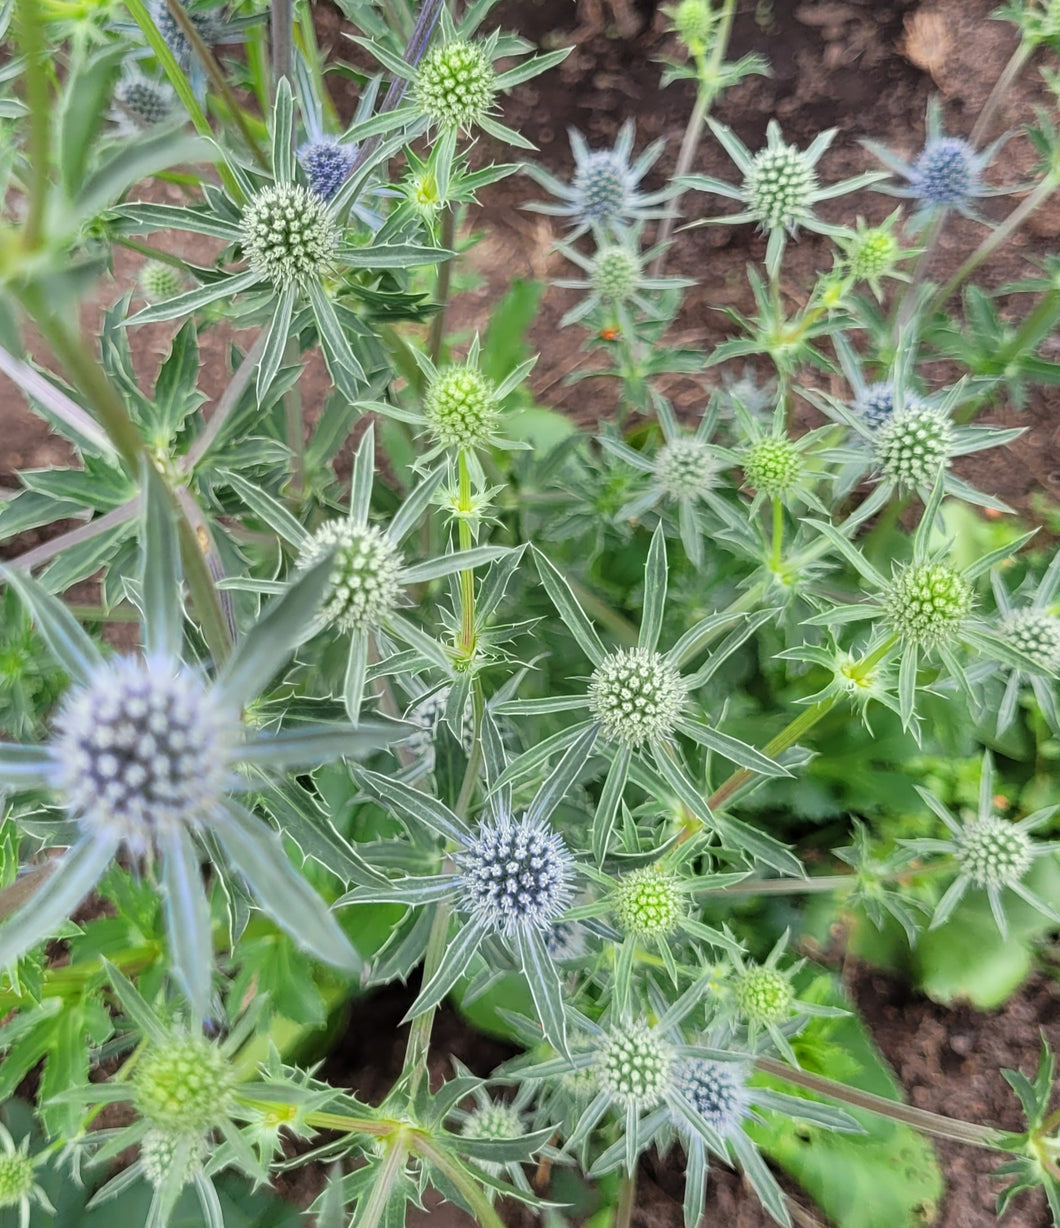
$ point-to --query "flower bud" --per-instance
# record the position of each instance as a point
(637, 696)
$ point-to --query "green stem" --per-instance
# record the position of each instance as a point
(419, 1041)
(38, 99)
(467, 577)
(152, 253)
(822, 883)
(474, 1195)
(778, 536)
(1016, 61)
(995, 239)
(706, 93)
(445, 277)
(920, 1119)
(627, 1200)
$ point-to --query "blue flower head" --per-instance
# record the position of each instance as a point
(515, 874)
(716, 1090)
(326, 163)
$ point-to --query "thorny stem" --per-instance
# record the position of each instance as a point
(705, 95)
(995, 239)
(1019, 57)
(445, 277)
(920, 1119)
(35, 75)
(824, 882)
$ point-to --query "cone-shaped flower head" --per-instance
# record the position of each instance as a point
(946, 173)
(615, 274)
(515, 874)
(142, 749)
(206, 25)
(497, 1120)
(326, 163)
(928, 603)
(994, 853)
(772, 466)
(159, 282)
(686, 466)
(602, 186)
(716, 1090)
(872, 254)
(1035, 633)
(17, 1177)
(648, 903)
(693, 21)
(780, 186)
(365, 585)
(461, 408)
(635, 1066)
(912, 445)
(183, 1087)
(763, 995)
(455, 84)
(637, 696)
(148, 101)
(288, 235)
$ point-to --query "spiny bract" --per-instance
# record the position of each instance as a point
(648, 903)
(635, 1066)
(1035, 633)
(994, 853)
(716, 1090)
(515, 874)
(455, 85)
(141, 749)
(685, 467)
(326, 163)
(461, 408)
(637, 696)
(780, 186)
(772, 466)
(913, 445)
(365, 577)
(928, 603)
(288, 235)
(183, 1087)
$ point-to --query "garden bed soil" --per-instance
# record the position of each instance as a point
(866, 67)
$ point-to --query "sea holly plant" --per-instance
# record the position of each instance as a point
(630, 644)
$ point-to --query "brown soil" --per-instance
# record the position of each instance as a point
(866, 67)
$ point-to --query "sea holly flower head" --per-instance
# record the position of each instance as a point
(635, 1066)
(208, 24)
(455, 84)
(461, 407)
(693, 22)
(649, 902)
(871, 253)
(497, 1119)
(616, 273)
(717, 1091)
(615, 284)
(780, 188)
(989, 853)
(773, 465)
(764, 995)
(604, 192)
(1034, 633)
(143, 99)
(183, 1086)
(515, 874)
(326, 162)
(686, 466)
(160, 1151)
(946, 174)
(913, 445)
(288, 235)
(874, 403)
(142, 750)
(159, 281)
(928, 603)
(637, 696)
(18, 1178)
(365, 584)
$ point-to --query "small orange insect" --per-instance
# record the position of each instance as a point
(610, 334)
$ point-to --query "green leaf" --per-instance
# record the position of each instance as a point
(69, 643)
(283, 133)
(84, 106)
(139, 159)
(187, 918)
(654, 592)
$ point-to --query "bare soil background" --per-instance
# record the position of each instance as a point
(867, 68)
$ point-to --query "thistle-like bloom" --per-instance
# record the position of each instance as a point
(946, 174)
(990, 853)
(871, 253)
(925, 608)
(604, 192)
(615, 282)
(500, 1122)
(18, 1178)
(512, 879)
(455, 84)
(463, 409)
(159, 282)
(639, 701)
(291, 241)
(142, 99)
(144, 754)
(368, 572)
(780, 187)
(426, 715)
(326, 162)
(208, 24)
(686, 470)
(649, 902)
